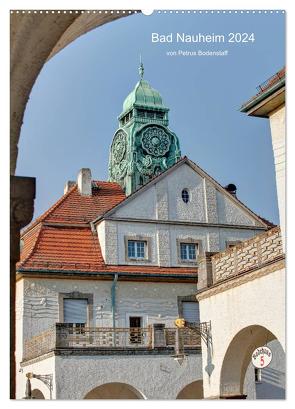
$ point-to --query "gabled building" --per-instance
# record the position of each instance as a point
(109, 267)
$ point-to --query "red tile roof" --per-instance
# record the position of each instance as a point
(62, 240)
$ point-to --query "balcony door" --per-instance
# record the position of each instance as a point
(135, 334)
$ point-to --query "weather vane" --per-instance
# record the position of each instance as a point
(141, 68)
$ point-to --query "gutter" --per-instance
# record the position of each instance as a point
(248, 105)
(106, 274)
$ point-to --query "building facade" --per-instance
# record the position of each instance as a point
(109, 267)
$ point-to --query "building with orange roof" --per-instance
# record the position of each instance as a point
(108, 268)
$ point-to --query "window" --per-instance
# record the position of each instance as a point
(190, 311)
(160, 115)
(75, 314)
(135, 332)
(231, 244)
(185, 195)
(188, 251)
(137, 249)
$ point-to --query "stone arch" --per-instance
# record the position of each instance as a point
(114, 390)
(193, 390)
(37, 394)
(238, 357)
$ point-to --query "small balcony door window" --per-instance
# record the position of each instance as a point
(135, 334)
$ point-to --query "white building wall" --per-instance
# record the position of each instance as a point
(245, 306)
(154, 376)
(277, 125)
(42, 367)
(162, 239)
(155, 302)
(163, 201)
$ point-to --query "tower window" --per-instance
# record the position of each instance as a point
(150, 114)
(141, 113)
(160, 115)
(185, 195)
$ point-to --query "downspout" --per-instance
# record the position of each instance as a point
(113, 294)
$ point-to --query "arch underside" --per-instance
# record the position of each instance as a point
(238, 357)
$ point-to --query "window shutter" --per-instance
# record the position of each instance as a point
(75, 310)
(191, 311)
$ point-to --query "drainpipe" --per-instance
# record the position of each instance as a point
(113, 291)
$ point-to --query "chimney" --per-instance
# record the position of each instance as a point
(84, 182)
(69, 184)
(232, 189)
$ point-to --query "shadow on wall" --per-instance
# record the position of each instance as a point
(271, 385)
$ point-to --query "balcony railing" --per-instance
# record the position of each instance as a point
(250, 254)
(68, 336)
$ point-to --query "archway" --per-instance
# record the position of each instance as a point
(238, 357)
(114, 390)
(193, 390)
(37, 394)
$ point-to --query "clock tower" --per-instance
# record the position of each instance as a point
(143, 146)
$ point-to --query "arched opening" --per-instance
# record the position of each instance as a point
(114, 390)
(238, 357)
(37, 394)
(193, 390)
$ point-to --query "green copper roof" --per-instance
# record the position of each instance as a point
(143, 95)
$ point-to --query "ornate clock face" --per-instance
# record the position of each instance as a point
(119, 146)
(155, 141)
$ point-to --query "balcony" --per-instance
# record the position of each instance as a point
(70, 338)
(249, 255)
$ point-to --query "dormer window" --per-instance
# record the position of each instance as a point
(185, 195)
(137, 249)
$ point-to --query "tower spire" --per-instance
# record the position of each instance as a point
(141, 68)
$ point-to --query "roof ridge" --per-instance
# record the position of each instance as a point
(49, 211)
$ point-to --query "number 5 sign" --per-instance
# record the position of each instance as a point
(261, 357)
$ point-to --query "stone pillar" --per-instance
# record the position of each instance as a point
(22, 195)
(205, 273)
(159, 340)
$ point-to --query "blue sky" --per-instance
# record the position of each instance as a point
(72, 113)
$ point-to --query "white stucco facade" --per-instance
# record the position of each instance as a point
(212, 217)
(239, 307)
(278, 136)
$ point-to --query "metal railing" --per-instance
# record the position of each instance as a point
(70, 336)
(271, 81)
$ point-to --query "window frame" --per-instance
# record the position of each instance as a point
(188, 240)
(147, 249)
(185, 298)
(76, 295)
(232, 243)
(186, 190)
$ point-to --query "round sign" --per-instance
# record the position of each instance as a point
(261, 357)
